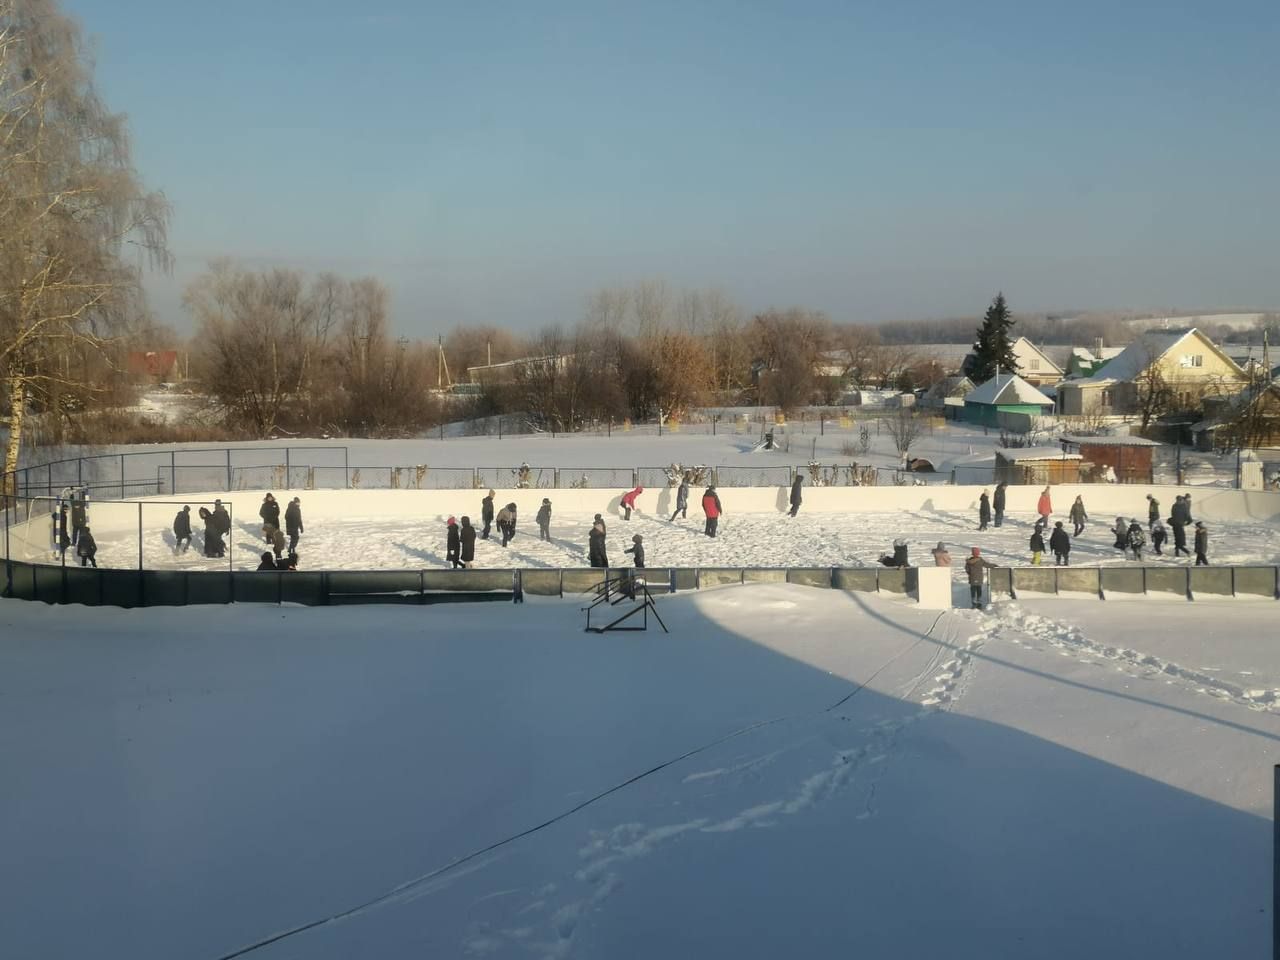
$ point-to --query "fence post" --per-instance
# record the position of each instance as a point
(51, 480)
(556, 477)
(173, 474)
(80, 471)
(228, 469)
(231, 567)
(139, 538)
(635, 478)
(287, 465)
(121, 478)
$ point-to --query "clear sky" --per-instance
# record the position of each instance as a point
(496, 162)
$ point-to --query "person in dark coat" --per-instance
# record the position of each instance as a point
(210, 532)
(270, 514)
(268, 562)
(984, 510)
(453, 543)
(595, 546)
(467, 536)
(1037, 544)
(79, 520)
(64, 538)
(288, 563)
(712, 508)
(1121, 530)
(974, 567)
(486, 515)
(87, 548)
(682, 499)
(899, 557)
(277, 541)
(182, 530)
(221, 518)
(795, 494)
(1202, 544)
(997, 503)
(637, 549)
(1153, 512)
(1078, 516)
(1158, 536)
(506, 522)
(1060, 544)
(293, 522)
(600, 520)
(1135, 539)
(1179, 533)
(544, 520)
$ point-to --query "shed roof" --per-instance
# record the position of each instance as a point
(1021, 454)
(1007, 388)
(1110, 441)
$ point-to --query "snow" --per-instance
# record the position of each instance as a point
(1007, 389)
(790, 772)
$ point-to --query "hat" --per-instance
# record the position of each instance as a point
(941, 545)
(297, 500)
(1200, 524)
(1148, 496)
(1058, 524)
(491, 493)
(217, 501)
(451, 522)
(977, 552)
(598, 517)
(266, 555)
(466, 521)
(637, 538)
(187, 507)
(546, 499)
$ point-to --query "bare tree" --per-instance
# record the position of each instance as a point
(905, 428)
(1154, 395)
(789, 345)
(69, 201)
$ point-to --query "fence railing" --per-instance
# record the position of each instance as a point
(1186, 583)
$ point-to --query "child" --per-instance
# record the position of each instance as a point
(1037, 544)
(637, 550)
(544, 520)
(1136, 539)
(1158, 536)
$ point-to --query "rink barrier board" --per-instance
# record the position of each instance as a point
(1189, 582)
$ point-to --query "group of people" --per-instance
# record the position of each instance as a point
(80, 536)
(217, 524)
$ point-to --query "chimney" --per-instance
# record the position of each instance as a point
(1099, 353)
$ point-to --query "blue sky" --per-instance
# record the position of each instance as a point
(497, 162)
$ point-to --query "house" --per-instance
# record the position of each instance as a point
(1035, 365)
(158, 366)
(1005, 393)
(1037, 465)
(1084, 362)
(1128, 459)
(1251, 418)
(948, 388)
(1187, 364)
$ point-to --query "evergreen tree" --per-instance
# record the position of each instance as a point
(994, 348)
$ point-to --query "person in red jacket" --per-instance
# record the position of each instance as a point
(711, 507)
(1044, 507)
(629, 501)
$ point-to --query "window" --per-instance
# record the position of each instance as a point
(1035, 363)
(1108, 397)
(1193, 360)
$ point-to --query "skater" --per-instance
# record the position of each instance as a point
(544, 520)
(1060, 544)
(268, 562)
(1121, 530)
(637, 549)
(899, 557)
(941, 558)
(1078, 516)
(1136, 539)
(486, 515)
(270, 514)
(1179, 533)
(997, 502)
(467, 536)
(1202, 544)
(1037, 545)
(79, 519)
(182, 530)
(1044, 507)
(64, 538)
(221, 518)
(293, 522)
(712, 508)
(277, 541)
(506, 522)
(795, 494)
(210, 530)
(452, 543)
(1158, 536)
(1153, 512)
(984, 510)
(629, 501)
(595, 545)
(974, 567)
(682, 499)
(87, 549)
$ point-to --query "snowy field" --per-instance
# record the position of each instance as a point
(371, 530)
(790, 773)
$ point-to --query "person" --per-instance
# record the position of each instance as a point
(595, 545)
(1202, 544)
(79, 518)
(629, 501)
(974, 567)
(984, 510)
(467, 537)
(182, 530)
(712, 508)
(221, 518)
(64, 538)
(1158, 536)
(600, 520)
(1135, 539)
(1037, 544)
(682, 499)
(997, 502)
(506, 521)
(1060, 544)
(1044, 507)
(544, 520)
(795, 494)
(87, 548)
(1179, 531)
(270, 514)
(941, 558)
(1153, 512)
(210, 531)
(899, 558)
(268, 562)
(1078, 516)
(1186, 509)
(277, 541)
(293, 522)
(486, 515)
(453, 543)
(637, 549)
(288, 563)
(1121, 530)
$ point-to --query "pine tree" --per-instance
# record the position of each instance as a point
(994, 348)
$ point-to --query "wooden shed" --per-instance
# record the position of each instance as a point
(1128, 458)
(1037, 465)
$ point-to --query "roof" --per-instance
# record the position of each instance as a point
(1019, 454)
(1108, 353)
(1110, 441)
(1144, 351)
(1031, 346)
(1007, 388)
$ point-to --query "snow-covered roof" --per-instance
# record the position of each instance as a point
(1018, 454)
(1007, 388)
(1108, 353)
(1023, 345)
(1144, 351)
(1111, 441)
